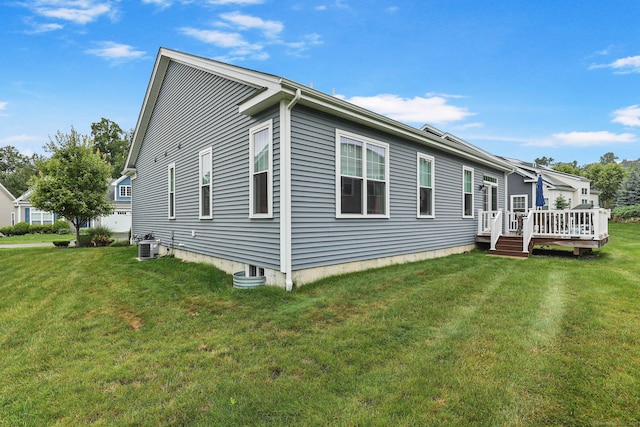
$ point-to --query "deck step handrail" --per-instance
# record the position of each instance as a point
(496, 229)
(527, 231)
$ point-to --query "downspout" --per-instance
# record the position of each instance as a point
(285, 189)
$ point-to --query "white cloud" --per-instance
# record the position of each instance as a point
(238, 2)
(271, 29)
(304, 44)
(240, 49)
(14, 139)
(116, 52)
(38, 28)
(628, 116)
(77, 11)
(628, 65)
(160, 3)
(241, 29)
(420, 110)
(3, 105)
(584, 139)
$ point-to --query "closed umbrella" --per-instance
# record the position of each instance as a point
(539, 193)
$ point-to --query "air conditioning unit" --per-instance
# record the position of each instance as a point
(148, 249)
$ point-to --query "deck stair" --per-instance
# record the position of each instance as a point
(510, 246)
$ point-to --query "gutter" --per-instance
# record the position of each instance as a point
(285, 188)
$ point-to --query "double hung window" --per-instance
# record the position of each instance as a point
(171, 190)
(261, 171)
(206, 184)
(519, 203)
(425, 186)
(467, 191)
(362, 181)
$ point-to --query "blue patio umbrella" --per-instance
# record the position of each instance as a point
(539, 193)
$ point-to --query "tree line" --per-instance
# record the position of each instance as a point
(618, 182)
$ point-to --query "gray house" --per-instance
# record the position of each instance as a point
(253, 172)
(576, 190)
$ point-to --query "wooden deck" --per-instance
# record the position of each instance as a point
(513, 234)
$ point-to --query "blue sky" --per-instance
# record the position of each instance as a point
(522, 79)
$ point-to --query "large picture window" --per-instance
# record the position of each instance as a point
(467, 191)
(171, 191)
(425, 186)
(261, 171)
(41, 217)
(205, 184)
(362, 180)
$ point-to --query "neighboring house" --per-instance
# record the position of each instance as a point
(7, 211)
(120, 194)
(257, 173)
(24, 212)
(575, 189)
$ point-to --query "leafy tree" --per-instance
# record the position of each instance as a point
(561, 203)
(544, 161)
(607, 158)
(112, 141)
(16, 169)
(629, 192)
(607, 179)
(73, 183)
(571, 168)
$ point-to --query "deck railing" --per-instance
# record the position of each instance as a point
(584, 224)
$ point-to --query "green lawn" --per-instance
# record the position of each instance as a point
(36, 238)
(94, 337)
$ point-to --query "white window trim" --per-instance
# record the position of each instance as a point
(473, 195)
(526, 201)
(365, 141)
(433, 185)
(171, 166)
(124, 188)
(200, 154)
(266, 125)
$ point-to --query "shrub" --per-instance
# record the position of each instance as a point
(61, 227)
(21, 229)
(40, 229)
(84, 242)
(97, 236)
(61, 243)
(626, 212)
(7, 230)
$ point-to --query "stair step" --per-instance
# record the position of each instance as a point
(509, 246)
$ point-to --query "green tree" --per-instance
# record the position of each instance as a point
(561, 203)
(607, 158)
(606, 178)
(16, 169)
(629, 192)
(73, 183)
(544, 161)
(571, 168)
(112, 141)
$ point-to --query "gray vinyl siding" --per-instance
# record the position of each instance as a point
(321, 239)
(518, 187)
(196, 110)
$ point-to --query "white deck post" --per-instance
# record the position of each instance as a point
(527, 231)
